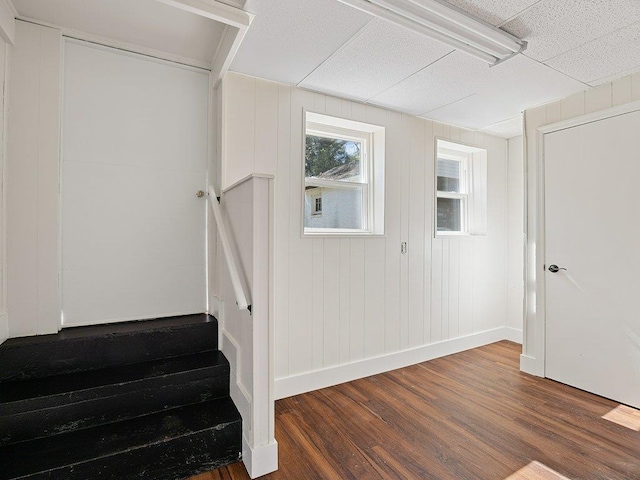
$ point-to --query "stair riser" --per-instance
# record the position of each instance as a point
(121, 402)
(176, 458)
(45, 358)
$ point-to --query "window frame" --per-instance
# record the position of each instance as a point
(475, 188)
(371, 184)
(463, 195)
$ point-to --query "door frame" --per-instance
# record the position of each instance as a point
(535, 283)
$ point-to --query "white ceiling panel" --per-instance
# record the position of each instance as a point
(146, 23)
(609, 56)
(378, 57)
(494, 12)
(290, 38)
(507, 129)
(553, 27)
(523, 83)
(450, 79)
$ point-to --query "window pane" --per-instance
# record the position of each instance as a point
(449, 215)
(340, 208)
(449, 176)
(332, 159)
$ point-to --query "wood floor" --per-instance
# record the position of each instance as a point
(472, 415)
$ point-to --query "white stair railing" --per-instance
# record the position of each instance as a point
(242, 299)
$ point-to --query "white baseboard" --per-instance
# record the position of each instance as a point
(4, 327)
(259, 460)
(513, 334)
(531, 366)
(306, 382)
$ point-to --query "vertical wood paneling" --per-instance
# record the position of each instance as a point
(635, 86)
(341, 300)
(33, 147)
(416, 232)
(317, 305)
(331, 320)
(282, 233)
(554, 112)
(345, 300)
(436, 262)
(4, 332)
(357, 299)
(454, 288)
(266, 149)
(598, 98)
(571, 107)
(429, 205)
(300, 294)
(393, 176)
(49, 307)
(622, 91)
(465, 289)
(240, 129)
(404, 232)
(374, 307)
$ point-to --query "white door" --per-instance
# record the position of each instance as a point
(593, 230)
(135, 148)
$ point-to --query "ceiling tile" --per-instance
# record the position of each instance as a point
(145, 23)
(494, 12)
(447, 80)
(290, 38)
(553, 27)
(380, 56)
(608, 57)
(506, 129)
(504, 94)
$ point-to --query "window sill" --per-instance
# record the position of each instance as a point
(339, 233)
(452, 234)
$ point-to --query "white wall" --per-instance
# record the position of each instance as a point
(4, 319)
(515, 233)
(32, 179)
(342, 303)
(619, 92)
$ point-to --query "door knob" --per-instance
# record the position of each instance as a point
(555, 268)
(200, 194)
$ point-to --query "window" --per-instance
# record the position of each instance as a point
(343, 176)
(460, 189)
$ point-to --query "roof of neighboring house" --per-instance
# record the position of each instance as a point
(341, 172)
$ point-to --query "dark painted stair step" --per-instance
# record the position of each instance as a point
(52, 405)
(170, 445)
(90, 348)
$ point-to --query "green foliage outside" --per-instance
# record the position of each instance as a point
(322, 154)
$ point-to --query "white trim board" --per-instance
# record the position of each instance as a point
(259, 460)
(590, 118)
(327, 377)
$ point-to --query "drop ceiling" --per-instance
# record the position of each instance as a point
(329, 47)
(326, 46)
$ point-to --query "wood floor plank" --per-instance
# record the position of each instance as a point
(472, 415)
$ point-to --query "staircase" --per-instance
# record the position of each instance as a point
(135, 400)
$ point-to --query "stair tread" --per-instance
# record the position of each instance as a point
(112, 329)
(45, 454)
(39, 388)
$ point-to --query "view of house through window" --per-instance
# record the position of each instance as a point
(339, 190)
(460, 189)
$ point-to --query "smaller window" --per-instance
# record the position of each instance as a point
(461, 187)
(317, 210)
